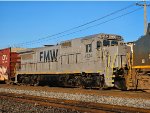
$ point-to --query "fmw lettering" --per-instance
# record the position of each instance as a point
(49, 55)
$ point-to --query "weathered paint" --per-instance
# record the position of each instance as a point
(141, 50)
(48, 55)
(8, 60)
(4, 64)
(77, 56)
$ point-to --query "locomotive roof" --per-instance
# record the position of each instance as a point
(147, 36)
(148, 29)
(100, 35)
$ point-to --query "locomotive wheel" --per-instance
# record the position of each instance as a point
(120, 84)
(83, 87)
(36, 83)
(78, 81)
(25, 80)
(101, 82)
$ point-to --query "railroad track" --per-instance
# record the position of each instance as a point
(72, 105)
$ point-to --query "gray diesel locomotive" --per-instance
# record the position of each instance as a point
(93, 61)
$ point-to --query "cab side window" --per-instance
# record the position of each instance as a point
(106, 43)
(99, 44)
(114, 42)
(88, 48)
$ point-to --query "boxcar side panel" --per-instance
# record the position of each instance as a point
(14, 63)
(4, 64)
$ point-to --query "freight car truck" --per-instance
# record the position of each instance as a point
(8, 60)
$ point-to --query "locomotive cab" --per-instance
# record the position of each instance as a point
(116, 62)
(109, 59)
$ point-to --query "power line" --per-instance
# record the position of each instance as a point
(91, 26)
(78, 26)
(145, 14)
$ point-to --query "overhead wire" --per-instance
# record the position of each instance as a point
(92, 25)
(48, 37)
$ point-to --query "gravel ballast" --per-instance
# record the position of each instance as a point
(129, 102)
(23, 107)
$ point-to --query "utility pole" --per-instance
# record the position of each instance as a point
(145, 15)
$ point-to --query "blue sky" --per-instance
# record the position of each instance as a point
(27, 21)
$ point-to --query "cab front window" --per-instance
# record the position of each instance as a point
(106, 43)
(114, 42)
